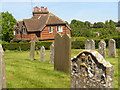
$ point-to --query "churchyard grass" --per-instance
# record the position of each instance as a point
(24, 73)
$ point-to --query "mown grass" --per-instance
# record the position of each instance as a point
(23, 73)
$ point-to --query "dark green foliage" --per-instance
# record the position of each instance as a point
(25, 46)
(98, 25)
(116, 38)
(8, 21)
(80, 29)
(78, 44)
(46, 44)
(16, 46)
(118, 24)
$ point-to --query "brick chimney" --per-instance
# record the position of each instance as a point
(40, 10)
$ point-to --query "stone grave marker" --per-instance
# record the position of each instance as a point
(2, 69)
(52, 54)
(42, 54)
(90, 70)
(102, 48)
(89, 44)
(32, 50)
(112, 48)
(92, 44)
(62, 53)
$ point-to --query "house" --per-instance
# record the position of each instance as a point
(43, 25)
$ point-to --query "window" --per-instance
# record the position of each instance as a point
(50, 29)
(59, 29)
(14, 32)
(24, 31)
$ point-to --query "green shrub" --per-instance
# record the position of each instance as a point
(77, 44)
(79, 38)
(46, 44)
(25, 46)
(116, 38)
(16, 46)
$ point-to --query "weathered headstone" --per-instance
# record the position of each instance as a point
(32, 50)
(42, 54)
(102, 48)
(89, 44)
(62, 53)
(112, 48)
(52, 54)
(90, 70)
(2, 69)
(92, 44)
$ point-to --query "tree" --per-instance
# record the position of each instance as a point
(8, 21)
(98, 25)
(118, 24)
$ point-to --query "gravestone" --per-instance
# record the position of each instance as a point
(32, 50)
(62, 53)
(2, 69)
(102, 48)
(42, 54)
(92, 44)
(112, 48)
(90, 70)
(89, 44)
(52, 54)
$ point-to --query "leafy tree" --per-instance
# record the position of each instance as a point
(8, 21)
(98, 25)
(118, 24)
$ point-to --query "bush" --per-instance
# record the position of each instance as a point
(116, 38)
(16, 46)
(25, 46)
(46, 44)
(78, 44)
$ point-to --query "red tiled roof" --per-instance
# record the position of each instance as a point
(37, 23)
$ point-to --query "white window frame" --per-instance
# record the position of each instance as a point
(50, 29)
(24, 31)
(59, 29)
(14, 32)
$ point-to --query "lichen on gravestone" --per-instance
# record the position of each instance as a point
(90, 70)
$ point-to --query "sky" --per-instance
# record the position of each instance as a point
(69, 10)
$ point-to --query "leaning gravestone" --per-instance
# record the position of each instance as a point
(102, 48)
(90, 70)
(62, 53)
(32, 50)
(42, 54)
(2, 69)
(112, 48)
(52, 54)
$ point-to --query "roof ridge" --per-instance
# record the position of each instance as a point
(47, 19)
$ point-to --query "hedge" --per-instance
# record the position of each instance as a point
(25, 46)
(76, 44)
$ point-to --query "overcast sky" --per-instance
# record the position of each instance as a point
(84, 11)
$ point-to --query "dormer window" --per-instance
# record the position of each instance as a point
(59, 29)
(50, 29)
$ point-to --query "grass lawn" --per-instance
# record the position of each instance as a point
(23, 73)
